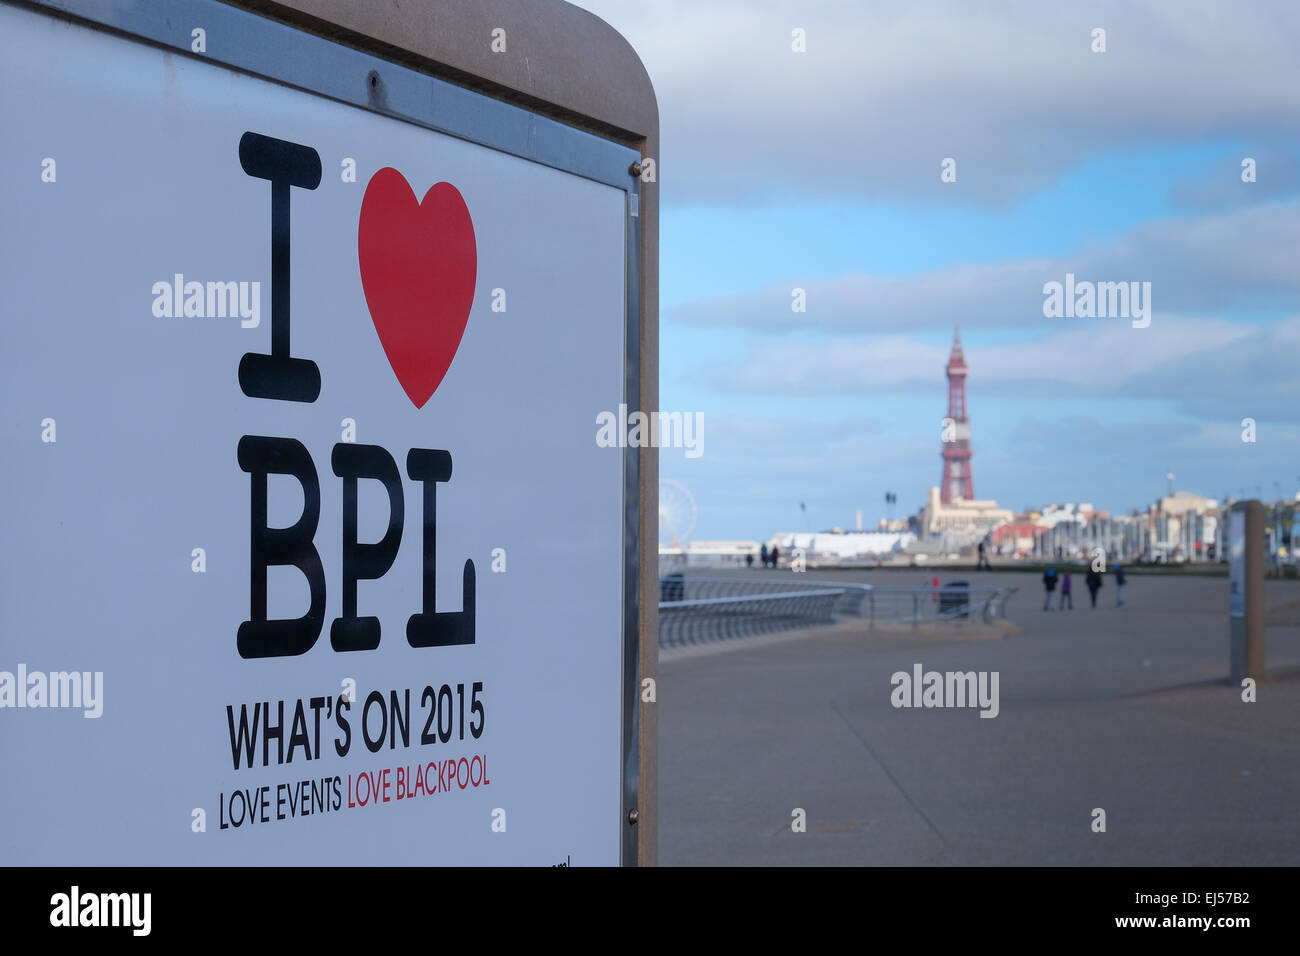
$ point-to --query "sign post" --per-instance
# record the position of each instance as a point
(1246, 600)
(309, 323)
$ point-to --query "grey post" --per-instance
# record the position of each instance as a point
(1246, 601)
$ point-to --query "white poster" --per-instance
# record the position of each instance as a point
(1237, 562)
(310, 553)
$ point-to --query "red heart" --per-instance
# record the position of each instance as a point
(419, 264)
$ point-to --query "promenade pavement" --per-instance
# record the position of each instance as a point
(1126, 709)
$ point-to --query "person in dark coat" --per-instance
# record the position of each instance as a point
(1094, 584)
(1049, 585)
(1119, 585)
(776, 555)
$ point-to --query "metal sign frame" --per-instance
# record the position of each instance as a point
(288, 56)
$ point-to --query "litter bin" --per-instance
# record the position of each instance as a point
(954, 600)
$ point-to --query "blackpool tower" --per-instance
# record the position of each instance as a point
(957, 481)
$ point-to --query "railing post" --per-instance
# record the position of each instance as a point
(916, 612)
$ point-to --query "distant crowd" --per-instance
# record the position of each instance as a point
(1093, 580)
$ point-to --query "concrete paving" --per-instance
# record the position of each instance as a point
(1125, 709)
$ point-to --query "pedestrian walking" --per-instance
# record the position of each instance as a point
(1119, 585)
(1049, 585)
(983, 562)
(775, 555)
(762, 554)
(1065, 592)
(1094, 585)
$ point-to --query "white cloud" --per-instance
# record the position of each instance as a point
(886, 90)
(1196, 360)
(1202, 265)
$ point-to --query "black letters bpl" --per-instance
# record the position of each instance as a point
(280, 376)
(259, 637)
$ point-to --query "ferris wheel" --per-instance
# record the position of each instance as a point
(677, 514)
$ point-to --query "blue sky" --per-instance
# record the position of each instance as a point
(821, 171)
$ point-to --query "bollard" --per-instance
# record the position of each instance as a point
(1246, 595)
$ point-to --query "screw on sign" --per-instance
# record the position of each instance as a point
(418, 269)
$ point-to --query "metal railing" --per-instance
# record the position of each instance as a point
(694, 610)
(942, 605)
(702, 620)
(678, 587)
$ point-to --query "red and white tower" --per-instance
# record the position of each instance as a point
(957, 481)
